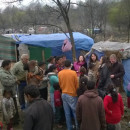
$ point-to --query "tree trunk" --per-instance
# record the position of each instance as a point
(72, 42)
(129, 31)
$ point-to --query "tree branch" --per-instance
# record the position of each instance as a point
(14, 1)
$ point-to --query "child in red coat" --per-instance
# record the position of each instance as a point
(59, 114)
(114, 108)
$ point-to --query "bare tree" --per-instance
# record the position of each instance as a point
(62, 9)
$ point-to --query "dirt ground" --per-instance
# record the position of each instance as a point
(124, 121)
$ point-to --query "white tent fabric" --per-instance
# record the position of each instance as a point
(123, 48)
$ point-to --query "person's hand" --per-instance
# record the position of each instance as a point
(17, 81)
(111, 112)
(112, 76)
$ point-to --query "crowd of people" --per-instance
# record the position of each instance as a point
(83, 94)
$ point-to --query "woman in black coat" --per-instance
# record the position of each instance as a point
(104, 75)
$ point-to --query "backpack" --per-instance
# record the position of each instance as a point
(66, 46)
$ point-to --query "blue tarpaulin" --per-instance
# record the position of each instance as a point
(126, 64)
(55, 41)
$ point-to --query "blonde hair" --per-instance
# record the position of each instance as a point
(113, 56)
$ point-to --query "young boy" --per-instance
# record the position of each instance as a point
(8, 109)
(58, 105)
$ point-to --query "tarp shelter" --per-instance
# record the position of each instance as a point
(55, 41)
(7, 49)
(122, 50)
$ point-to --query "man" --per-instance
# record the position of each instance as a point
(116, 71)
(39, 114)
(90, 110)
(59, 63)
(20, 73)
(69, 83)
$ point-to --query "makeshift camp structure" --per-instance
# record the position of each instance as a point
(7, 49)
(51, 44)
(122, 50)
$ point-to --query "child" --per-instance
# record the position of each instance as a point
(58, 105)
(82, 86)
(8, 109)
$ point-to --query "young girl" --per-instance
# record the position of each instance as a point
(58, 105)
(114, 108)
(94, 64)
(82, 85)
(77, 65)
(8, 109)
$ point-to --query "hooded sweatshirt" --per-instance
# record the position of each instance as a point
(90, 111)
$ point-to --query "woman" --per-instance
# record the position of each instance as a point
(53, 78)
(81, 62)
(104, 75)
(114, 108)
(82, 86)
(35, 75)
(94, 64)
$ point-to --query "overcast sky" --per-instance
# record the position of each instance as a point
(25, 2)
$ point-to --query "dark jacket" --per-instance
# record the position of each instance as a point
(38, 116)
(104, 77)
(118, 71)
(90, 111)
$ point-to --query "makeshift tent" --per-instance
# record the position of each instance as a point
(122, 50)
(7, 49)
(55, 41)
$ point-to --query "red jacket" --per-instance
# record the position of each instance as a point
(57, 98)
(114, 111)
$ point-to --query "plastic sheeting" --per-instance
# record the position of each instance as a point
(55, 42)
(123, 48)
(126, 64)
(82, 41)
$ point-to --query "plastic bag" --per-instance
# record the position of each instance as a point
(66, 46)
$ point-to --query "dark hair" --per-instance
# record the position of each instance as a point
(104, 59)
(63, 56)
(67, 63)
(26, 66)
(58, 57)
(41, 64)
(90, 59)
(82, 85)
(83, 58)
(5, 63)
(52, 68)
(83, 71)
(56, 86)
(90, 85)
(112, 90)
(91, 65)
(32, 90)
(7, 91)
(50, 59)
